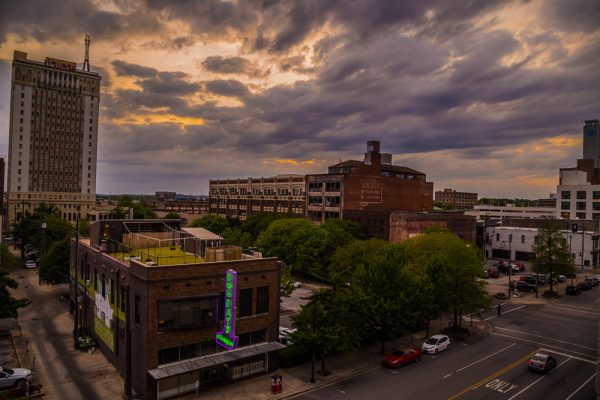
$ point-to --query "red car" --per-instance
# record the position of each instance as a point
(402, 357)
(521, 266)
(494, 273)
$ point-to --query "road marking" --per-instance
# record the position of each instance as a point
(582, 385)
(506, 312)
(571, 306)
(539, 379)
(570, 356)
(546, 337)
(500, 386)
(450, 374)
(486, 357)
(538, 343)
(597, 300)
(493, 376)
(572, 310)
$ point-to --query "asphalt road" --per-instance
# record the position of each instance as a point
(493, 366)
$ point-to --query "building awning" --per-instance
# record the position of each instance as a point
(195, 364)
(202, 233)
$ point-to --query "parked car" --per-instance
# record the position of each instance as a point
(561, 278)
(523, 286)
(505, 269)
(485, 275)
(297, 284)
(573, 290)
(400, 357)
(515, 268)
(540, 362)
(284, 335)
(11, 377)
(592, 281)
(521, 266)
(584, 285)
(494, 273)
(531, 280)
(435, 344)
(30, 264)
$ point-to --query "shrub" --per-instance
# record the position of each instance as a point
(293, 355)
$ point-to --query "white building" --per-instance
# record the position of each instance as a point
(53, 137)
(515, 243)
(509, 211)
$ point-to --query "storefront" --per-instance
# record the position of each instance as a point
(203, 372)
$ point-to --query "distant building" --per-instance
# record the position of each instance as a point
(547, 203)
(488, 211)
(160, 198)
(53, 137)
(591, 141)
(239, 198)
(371, 184)
(173, 309)
(451, 197)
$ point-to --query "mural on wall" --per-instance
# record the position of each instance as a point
(104, 315)
(226, 337)
(370, 190)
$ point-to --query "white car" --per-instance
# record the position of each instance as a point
(10, 377)
(435, 344)
(284, 335)
(30, 264)
(297, 284)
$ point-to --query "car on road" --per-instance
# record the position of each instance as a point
(401, 357)
(592, 281)
(573, 290)
(523, 286)
(435, 344)
(30, 264)
(584, 285)
(541, 362)
(12, 377)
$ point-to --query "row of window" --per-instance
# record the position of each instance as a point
(580, 195)
(580, 205)
(256, 191)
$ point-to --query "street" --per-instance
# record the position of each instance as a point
(493, 366)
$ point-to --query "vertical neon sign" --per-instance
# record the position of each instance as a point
(226, 338)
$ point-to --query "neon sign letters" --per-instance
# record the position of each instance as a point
(226, 338)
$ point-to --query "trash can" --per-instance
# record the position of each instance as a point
(276, 384)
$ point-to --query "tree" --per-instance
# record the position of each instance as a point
(297, 242)
(452, 266)
(356, 254)
(237, 237)
(9, 303)
(256, 224)
(84, 227)
(551, 254)
(172, 215)
(287, 281)
(7, 260)
(54, 265)
(29, 228)
(211, 222)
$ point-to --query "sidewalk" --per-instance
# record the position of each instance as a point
(341, 366)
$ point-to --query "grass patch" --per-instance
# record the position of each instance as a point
(166, 255)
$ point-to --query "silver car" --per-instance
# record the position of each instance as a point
(435, 344)
(10, 377)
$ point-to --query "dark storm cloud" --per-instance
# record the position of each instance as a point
(233, 65)
(47, 20)
(231, 87)
(169, 83)
(574, 15)
(128, 69)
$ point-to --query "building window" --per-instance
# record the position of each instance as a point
(565, 205)
(580, 215)
(497, 237)
(123, 298)
(596, 195)
(522, 238)
(566, 195)
(245, 302)
(137, 311)
(103, 286)
(596, 216)
(195, 313)
(259, 336)
(581, 194)
(581, 205)
(262, 300)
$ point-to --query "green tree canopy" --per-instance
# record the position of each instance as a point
(54, 265)
(551, 254)
(10, 305)
(256, 224)
(212, 222)
(356, 254)
(172, 215)
(7, 260)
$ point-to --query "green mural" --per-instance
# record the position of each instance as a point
(104, 333)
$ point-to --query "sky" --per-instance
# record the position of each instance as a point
(482, 96)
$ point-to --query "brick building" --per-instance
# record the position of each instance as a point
(172, 308)
(451, 197)
(239, 198)
(371, 184)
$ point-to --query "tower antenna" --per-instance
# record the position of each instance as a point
(86, 61)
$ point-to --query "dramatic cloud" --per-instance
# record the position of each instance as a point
(468, 92)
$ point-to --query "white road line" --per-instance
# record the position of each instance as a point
(595, 311)
(570, 306)
(547, 337)
(582, 385)
(486, 357)
(444, 377)
(537, 380)
(506, 312)
(544, 344)
(568, 355)
(597, 300)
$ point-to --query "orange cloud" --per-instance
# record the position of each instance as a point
(292, 162)
(147, 119)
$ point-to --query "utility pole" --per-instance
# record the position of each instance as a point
(582, 246)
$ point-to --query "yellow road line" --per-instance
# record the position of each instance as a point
(494, 375)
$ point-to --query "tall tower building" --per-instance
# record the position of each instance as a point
(53, 136)
(591, 141)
